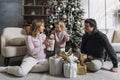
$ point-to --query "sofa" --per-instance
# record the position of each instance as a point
(13, 43)
(114, 38)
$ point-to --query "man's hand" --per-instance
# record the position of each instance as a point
(114, 69)
(88, 59)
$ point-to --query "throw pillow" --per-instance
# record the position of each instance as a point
(17, 42)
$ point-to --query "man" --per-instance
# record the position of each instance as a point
(94, 44)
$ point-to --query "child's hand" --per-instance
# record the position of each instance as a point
(66, 37)
(52, 36)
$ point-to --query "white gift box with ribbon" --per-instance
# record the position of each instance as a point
(69, 66)
(70, 70)
(55, 65)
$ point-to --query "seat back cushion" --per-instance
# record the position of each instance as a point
(116, 38)
(13, 32)
(110, 34)
(17, 41)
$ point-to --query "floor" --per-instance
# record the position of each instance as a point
(100, 75)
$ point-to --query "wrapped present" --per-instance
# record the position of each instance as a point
(70, 70)
(63, 55)
(72, 58)
(81, 69)
(81, 58)
(68, 55)
(69, 66)
(55, 65)
(81, 66)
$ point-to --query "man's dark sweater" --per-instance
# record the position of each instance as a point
(96, 43)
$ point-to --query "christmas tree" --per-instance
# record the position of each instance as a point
(71, 12)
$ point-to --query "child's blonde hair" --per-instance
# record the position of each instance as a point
(62, 25)
(36, 24)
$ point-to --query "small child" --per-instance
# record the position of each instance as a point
(60, 36)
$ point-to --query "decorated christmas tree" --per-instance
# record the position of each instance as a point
(71, 12)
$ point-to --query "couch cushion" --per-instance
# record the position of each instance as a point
(17, 41)
(11, 51)
(118, 55)
(116, 38)
(110, 33)
(103, 30)
(116, 47)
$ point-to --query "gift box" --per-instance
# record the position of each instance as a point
(65, 55)
(70, 70)
(55, 65)
(81, 66)
(81, 69)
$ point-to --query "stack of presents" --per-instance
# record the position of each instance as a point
(65, 63)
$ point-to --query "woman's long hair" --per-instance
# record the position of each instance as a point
(36, 24)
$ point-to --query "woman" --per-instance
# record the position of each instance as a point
(36, 43)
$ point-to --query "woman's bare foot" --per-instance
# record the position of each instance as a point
(2, 69)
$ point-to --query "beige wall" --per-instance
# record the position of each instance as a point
(104, 11)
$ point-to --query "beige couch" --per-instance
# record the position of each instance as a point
(13, 43)
(114, 38)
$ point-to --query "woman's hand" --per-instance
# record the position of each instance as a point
(47, 43)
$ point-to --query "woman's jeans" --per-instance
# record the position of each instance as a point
(29, 64)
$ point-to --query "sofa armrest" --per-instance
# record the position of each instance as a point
(3, 42)
(116, 46)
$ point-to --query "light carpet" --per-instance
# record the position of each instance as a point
(100, 75)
